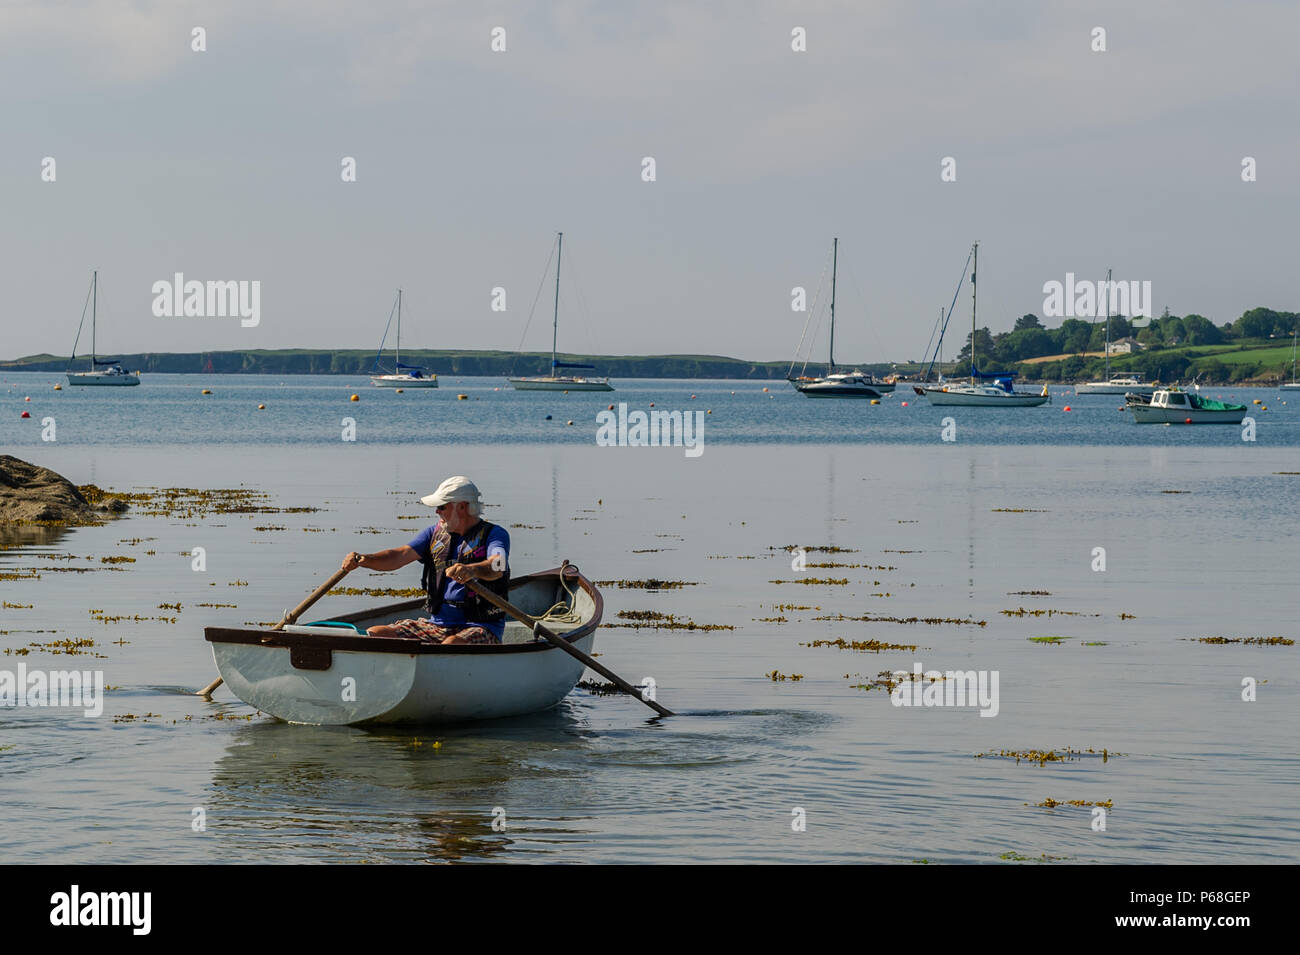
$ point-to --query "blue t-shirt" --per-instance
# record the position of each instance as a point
(449, 615)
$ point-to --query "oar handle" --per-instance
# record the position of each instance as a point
(316, 595)
(541, 630)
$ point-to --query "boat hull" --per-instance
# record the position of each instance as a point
(1147, 414)
(102, 379)
(560, 384)
(824, 388)
(939, 397)
(1290, 386)
(325, 676)
(403, 381)
(1105, 388)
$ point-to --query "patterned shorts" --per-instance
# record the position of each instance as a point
(434, 633)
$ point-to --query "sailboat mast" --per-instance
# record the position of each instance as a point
(555, 323)
(835, 257)
(94, 307)
(975, 267)
(1108, 288)
(397, 352)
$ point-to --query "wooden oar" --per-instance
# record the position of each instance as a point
(290, 617)
(566, 646)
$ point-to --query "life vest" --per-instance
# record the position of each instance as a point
(434, 579)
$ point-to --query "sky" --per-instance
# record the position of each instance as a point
(226, 164)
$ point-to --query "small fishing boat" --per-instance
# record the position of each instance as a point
(331, 673)
(855, 384)
(555, 381)
(111, 372)
(1170, 406)
(403, 376)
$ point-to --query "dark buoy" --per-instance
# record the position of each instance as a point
(548, 417)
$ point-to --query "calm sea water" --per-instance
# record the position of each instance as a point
(170, 409)
(953, 530)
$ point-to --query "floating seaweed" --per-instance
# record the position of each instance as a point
(1014, 856)
(1018, 510)
(1054, 641)
(654, 620)
(598, 688)
(783, 607)
(132, 718)
(1029, 593)
(1253, 641)
(777, 677)
(933, 621)
(117, 560)
(70, 647)
(835, 581)
(12, 606)
(376, 592)
(216, 605)
(1022, 612)
(649, 584)
(1044, 756)
(771, 620)
(1050, 803)
(823, 549)
(873, 646)
(1175, 492)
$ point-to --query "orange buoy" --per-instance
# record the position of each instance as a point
(904, 404)
(765, 389)
(462, 397)
(611, 407)
(60, 388)
(875, 401)
(261, 407)
(652, 404)
(28, 398)
(355, 398)
(398, 391)
(206, 391)
(1066, 408)
(1187, 421)
(568, 422)
(25, 414)
(710, 411)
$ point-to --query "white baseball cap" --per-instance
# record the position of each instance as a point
(457, 488)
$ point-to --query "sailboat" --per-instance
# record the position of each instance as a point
(1293, 384)
(113, 373)
(553, 381)
(854, 384)
(999, 394)
(1119, 385)
(412, 377)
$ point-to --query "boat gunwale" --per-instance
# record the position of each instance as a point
(412, 645)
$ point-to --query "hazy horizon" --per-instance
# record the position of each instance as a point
(225, 165)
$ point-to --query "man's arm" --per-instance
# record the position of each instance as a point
(390, 559)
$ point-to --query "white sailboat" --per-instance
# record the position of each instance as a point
(976, 393)
(413, 377)
(1121, 384)
(113, 373)
(553, 381)
(855, 384)
(1293, 384)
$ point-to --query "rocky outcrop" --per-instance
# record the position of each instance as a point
(30, 494)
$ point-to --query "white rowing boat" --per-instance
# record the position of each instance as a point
(330, 674)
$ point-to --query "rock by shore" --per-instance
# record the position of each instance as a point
(31, 494)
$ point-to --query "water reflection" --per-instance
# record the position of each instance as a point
(396, 793)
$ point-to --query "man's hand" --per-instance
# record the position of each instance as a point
(352, 561)
(461, 572)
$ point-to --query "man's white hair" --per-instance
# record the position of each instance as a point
(473, 508)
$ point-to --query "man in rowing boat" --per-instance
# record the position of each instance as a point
(460, 547)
